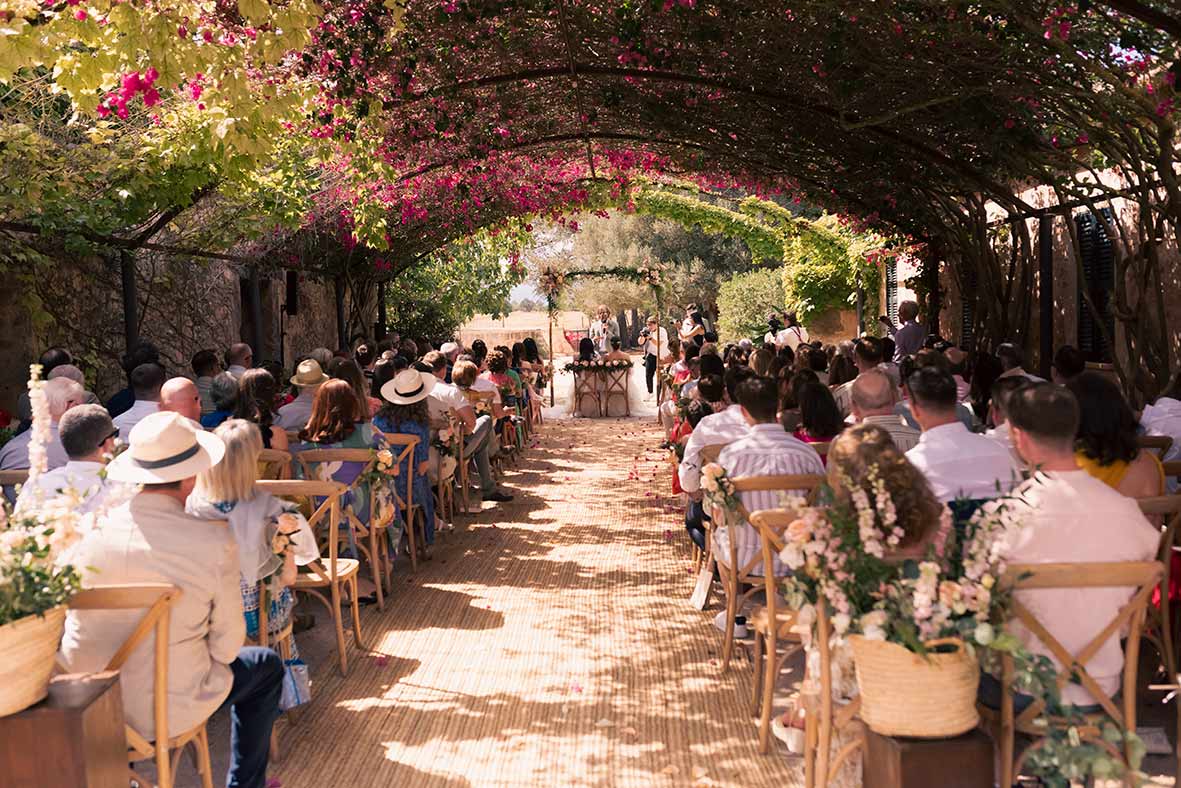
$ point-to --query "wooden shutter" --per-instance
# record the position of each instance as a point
(1098, 264)
(892, 289)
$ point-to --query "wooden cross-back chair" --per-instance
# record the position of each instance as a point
(1172, 469)
(1157, 443)
(586, 384)
(772, 623)
(486, 398)
(1143, 577)
(733, 572)
(13, 478)
(274, 464)
(338, 575)
(1159, 629)
(280, 642)
(366, 534)
(824, 718)
(156, 599)
(821, 448)
(702, 557)
(402, 490)
(444, 488)
(615, 384)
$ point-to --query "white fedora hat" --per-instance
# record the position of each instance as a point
(309, 373)
(408, 386)
(165, 447)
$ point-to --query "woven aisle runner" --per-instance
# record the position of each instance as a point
(552, 646)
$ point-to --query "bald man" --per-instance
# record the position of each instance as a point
(873, 400)
(180, 395)
(239, 358)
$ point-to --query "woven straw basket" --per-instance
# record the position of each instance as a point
(27, 649)
(906, 694)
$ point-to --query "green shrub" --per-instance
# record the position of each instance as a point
(745, 300)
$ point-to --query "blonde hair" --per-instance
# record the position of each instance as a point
(866, 450)
(233, 478)
(464, 374)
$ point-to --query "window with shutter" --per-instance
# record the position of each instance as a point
(892, 290)
(968, 311)
(1098, 266)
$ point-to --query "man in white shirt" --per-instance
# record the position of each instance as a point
(957, 463)
(239, 358)
(146, 382)
(793, 335)
(61, 394)
(1071, 517)
(655, 345)
(308, 378)
(1163, 417)
(874, 397)
(1013, 362)
(766, 450)
(206, 367)
(180, 395)
(88, 437)
(720, 428)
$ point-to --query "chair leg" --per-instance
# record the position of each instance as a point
(275, 755)
(756, 684)
(810, 746)
(356, 613)
(376, 568)
(336, 621)
(771, 673)
(731, 613)
(408, 519)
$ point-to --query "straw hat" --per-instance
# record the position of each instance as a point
(448, 348)
(408, 386)
(165, 447)
(308, 373)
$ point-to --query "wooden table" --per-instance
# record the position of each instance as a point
(72, 738)
(963, 762)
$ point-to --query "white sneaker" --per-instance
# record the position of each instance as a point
(720, 621)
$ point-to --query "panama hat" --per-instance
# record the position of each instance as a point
(308, 373)
(408, 386)
(165, 447)
(448, 348)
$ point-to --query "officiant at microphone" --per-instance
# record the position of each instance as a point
(603, 330)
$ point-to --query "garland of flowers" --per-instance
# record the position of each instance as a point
(598, 366)
(551, 281)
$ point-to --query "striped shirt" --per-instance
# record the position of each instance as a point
(905, 437)
(725, 427)
(766, 451)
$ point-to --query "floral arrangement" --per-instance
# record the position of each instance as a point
(598, 366)
(651, 276)
(718, 487)
(551, 281)
(444, 442)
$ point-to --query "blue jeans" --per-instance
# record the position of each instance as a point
(254, 707)
(695, 518)
(478, 445)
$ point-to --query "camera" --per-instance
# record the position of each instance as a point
(645, 332)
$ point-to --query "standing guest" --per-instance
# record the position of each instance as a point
(766, 450)
(999, 412)
(1012, 360)
(61, 394)
(256, 396)
(146, 382)
(348, 371)
(1105, 444)
(603, 329)
(908, 339)
(152, 540)
(225, 400)
(239, 358)
(723, 427)
(820, 420)
(1069, 516)
(309, 376)
(406, 412)
(793, 334)
(957, 463)
(874, 398)
(227, 491)
(206, 367)
(1067, 365)
(87, 435)
(774, 326)
(142, 353)
(655, 343)
(692, 330)
(180, 395)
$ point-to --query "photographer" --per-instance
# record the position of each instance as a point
(651, 336)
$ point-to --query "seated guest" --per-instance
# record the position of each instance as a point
(1105, 445)
(820, 420)
(616, 354)
(817, 361)
(874, 398)
(999, 414)
(346, 370)
(958, 361)
(481, 445)
(1012, 360)
(985, 371)
(723, 427)
(239, 358)
(498, 375)
(227, 491)
(71, 372)
(338, 421)
(931, 358)
(142, 353)
(867, 355)
(206, 367)
(1070, 516)
(766, 450)
(256, 395)
(365, 357)
(864, 453)
(406, 413)
(890, 361)
(482, 385)
(1068, 364)
(711, 389)
(309, 376)
(180, 395)
(224, 392)
(957, 463)
(61, 394)
(152, 540)
(841, 368)
(760, 361)
(790, 385)
(51, 360)
(87, 435)
(146, 382)
(1163, 417)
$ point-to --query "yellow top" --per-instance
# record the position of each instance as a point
(1112, 475)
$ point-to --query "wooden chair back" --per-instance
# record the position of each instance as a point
(1142, 576)
(275, 464)
(822, 447)
(156, 599)
(785, 483)
(1172, 469)
(710, 453)
(771, 524)
(1168, 509)
(402, 447)
(615, 382)
(13, 478)
(325, 501)
(587, 384)
(1158, 443)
